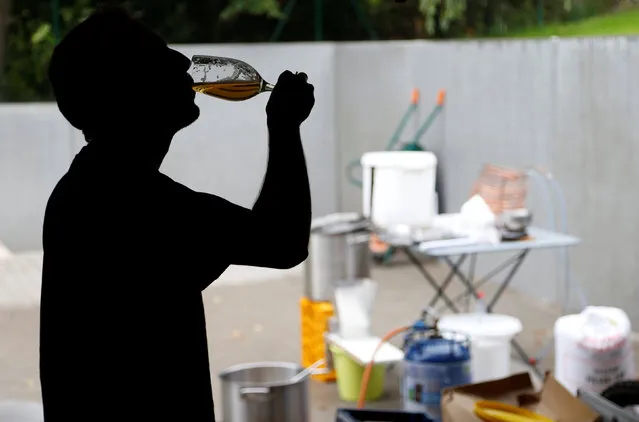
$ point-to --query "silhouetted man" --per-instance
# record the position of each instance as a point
(128, 251)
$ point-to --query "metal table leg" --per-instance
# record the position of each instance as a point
(471, 289)
(488, 277)
(504, 284)
(431, 280)
(502, 287)
(449, 278)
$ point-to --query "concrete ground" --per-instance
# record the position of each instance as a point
(252, 315)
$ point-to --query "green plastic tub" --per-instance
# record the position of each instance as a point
(349, 377)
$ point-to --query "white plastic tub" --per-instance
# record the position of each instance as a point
(490, 336)
(399, 188)
(593, 349)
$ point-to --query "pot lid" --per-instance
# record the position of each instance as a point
(340, 224)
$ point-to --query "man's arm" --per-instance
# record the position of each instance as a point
(275, 233)
(281, 217)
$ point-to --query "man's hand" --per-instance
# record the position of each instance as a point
(291, 101)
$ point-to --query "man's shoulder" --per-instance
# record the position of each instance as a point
(167, 182)
(187, 196)
(166, 187)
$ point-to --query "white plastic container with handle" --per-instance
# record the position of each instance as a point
(399, 188)
(490, 336)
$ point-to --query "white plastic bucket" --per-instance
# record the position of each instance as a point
(490, 336)
(399, 188)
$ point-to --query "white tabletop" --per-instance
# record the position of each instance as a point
(537, 239)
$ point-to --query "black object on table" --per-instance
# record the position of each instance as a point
(358, 415)
(614, 402)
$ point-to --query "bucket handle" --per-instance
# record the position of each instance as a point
(255, 393)
(350, 173)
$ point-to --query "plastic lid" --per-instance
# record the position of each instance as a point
(409, 160)
(437, 350)
(481, 325)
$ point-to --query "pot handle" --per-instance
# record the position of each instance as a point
(358, 238)
(255, 393)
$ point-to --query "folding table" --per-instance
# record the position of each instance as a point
(455, 252)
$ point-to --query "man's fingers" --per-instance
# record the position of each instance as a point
(285, 76)
(288, 76)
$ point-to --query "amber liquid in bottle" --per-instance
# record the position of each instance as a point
(230, 90)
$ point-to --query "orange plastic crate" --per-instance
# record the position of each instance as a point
(314, 320)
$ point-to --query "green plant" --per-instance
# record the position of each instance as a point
(269, 8)
(30, 44)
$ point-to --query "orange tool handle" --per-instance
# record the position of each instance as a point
(414, 98)
(441, 97)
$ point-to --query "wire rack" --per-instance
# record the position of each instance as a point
(502, 188)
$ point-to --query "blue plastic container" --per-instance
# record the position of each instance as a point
(432, 363)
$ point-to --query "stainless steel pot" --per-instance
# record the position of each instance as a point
(263, 392)
(338, 251)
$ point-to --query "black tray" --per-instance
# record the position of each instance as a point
(357, 415)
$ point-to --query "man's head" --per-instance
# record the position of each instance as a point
(111, 76)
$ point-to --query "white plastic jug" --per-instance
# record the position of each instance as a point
(399, 188)
(490, 336)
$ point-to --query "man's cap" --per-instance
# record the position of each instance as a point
(95, 59)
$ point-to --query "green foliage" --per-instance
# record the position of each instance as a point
(30, 43)
(269, 8)
(31, 38)
(454, 18)
(624, 22)
(440, 14)
(581, 9)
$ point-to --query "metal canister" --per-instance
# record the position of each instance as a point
(264, 392)
(433, 361)
(338, 251)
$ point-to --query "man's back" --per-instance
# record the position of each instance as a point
(122, 324)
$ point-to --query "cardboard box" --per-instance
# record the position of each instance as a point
(553, 401)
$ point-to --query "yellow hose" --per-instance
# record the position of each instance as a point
(493, 411)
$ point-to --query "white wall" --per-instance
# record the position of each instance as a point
(35, 147)
(570, 105)
(224, 152)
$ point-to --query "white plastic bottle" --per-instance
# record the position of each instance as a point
(480, 305)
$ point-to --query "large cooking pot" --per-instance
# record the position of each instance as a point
(338, 251)
(263, 392)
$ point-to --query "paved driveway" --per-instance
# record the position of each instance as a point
(252, 315)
